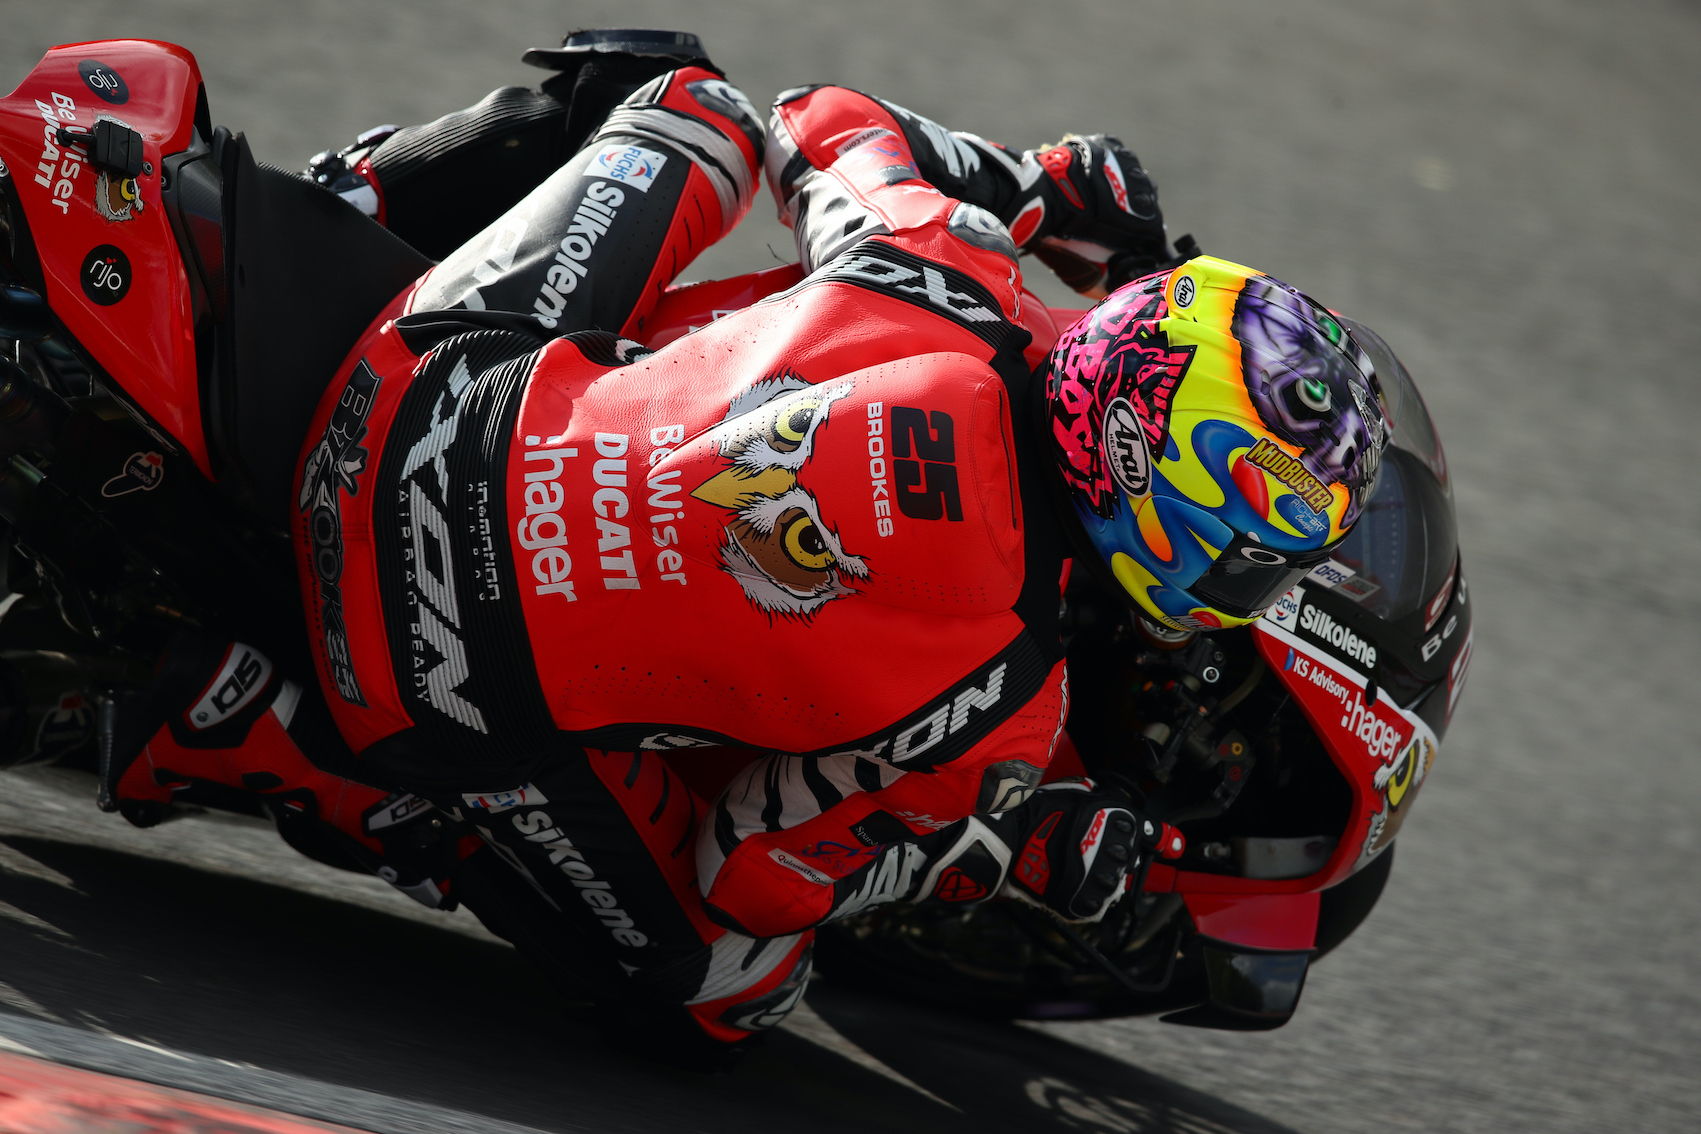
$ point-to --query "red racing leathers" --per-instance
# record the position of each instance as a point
(815, 528)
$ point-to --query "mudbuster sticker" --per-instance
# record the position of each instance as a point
(629, 165)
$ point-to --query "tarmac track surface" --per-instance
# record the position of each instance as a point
(1506, 192)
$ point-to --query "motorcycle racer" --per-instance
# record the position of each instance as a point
(831, 527)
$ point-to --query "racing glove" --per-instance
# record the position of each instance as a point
(1069, 848)
(1104, 227)
(1085, 206)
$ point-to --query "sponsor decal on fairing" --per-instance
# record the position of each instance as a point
(57, 169)
(106, 274)
(1394, 747)
(143, 472)
(1284, 612)
(107, 84)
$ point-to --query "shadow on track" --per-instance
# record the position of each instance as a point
(258, 974)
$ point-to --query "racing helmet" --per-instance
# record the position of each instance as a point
(1218, 433)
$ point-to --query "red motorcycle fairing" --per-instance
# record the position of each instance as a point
(1382, 751)
(110, 265)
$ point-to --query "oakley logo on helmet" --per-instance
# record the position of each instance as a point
(1125, 448)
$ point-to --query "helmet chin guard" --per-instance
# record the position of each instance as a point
(1217, 433)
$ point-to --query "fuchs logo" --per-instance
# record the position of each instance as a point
(143, 472)
(629, 165)
(1125, 448)
(331, 469)
(924, 478)
(1285, 611)
(496, 802)
(1268, 456)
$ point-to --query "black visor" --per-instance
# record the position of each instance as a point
(1247, 577)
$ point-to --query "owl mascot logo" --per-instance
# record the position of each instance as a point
(784, 556)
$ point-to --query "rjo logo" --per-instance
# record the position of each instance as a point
(107, 84)
(106, 275)
(927, 482)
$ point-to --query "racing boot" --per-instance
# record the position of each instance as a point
(439, 184)
(220, 725)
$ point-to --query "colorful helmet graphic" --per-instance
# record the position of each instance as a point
(1218, 433)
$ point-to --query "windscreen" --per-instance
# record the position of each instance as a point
(1412, 429)
(1405, 545)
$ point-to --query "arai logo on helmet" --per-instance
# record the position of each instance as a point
(1185, 291)
(1125, 448)
(629, 165)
